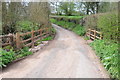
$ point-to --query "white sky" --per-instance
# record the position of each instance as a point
(62, 0)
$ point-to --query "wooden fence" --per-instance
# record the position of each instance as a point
(19, 40)
(93, 34)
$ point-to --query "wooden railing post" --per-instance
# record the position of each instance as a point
(100, 35)
(18, 41)
(50, 30)
(89, 32)
(47, 30)
(41, 31)
(12, 40)
(94, 34)
(32, 36)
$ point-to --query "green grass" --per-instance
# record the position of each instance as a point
(73, 17)
(45, 39)
(86, 38)
(48, 38)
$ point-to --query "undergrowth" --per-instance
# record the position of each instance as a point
(108, 53)
(7, 57)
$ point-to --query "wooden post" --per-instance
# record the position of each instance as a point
(46, 30)
(100, 35)
(50, 31)
(18, 41)
(89, 32)
(94, 34)
(40, 31)
(32, 36)
(12, 40)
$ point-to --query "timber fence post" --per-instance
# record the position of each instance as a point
(32, 36)
(18, 41)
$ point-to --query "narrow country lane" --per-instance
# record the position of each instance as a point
(67, 56)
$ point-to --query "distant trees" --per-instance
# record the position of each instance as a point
(66, 8)
(69, 8)
(88, 7)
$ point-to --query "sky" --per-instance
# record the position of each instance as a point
(60, 0)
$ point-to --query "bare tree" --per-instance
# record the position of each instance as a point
(39, 12)
(11, 12)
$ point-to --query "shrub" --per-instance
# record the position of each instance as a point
(8, 48)
(23, 52)
(9, 56)
(108, 24)
(61, 23)
(25, 26)
(79, 30)
(6, 57)
(108, 53)
(91, 21)
(86, 38)
(53, 20)
(70, 25)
